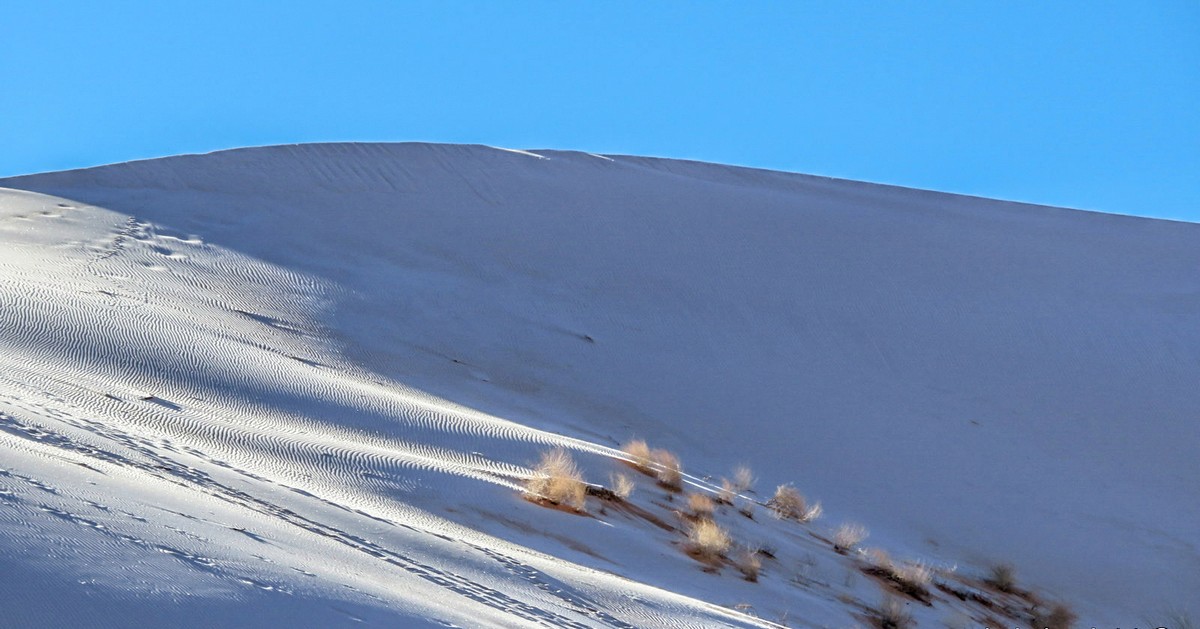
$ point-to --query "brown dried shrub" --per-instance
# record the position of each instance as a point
(557, 480)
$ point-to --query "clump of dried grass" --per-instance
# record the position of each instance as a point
(707, 541)
(912, 577)
(727, 492)
(557, 480)
(892, 614)
(743, 478)
(789, 504)
(700, 505)
(848, 536)
(1003, 577)
(640, 453)
(1059, 616)
(749, 564)
(668, 468)
(879, 558)
(661, 464)
(622, 485)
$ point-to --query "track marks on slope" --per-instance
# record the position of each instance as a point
(117, 365)
(205, 483)
(557, 588)
(111, 536)
(160, 465)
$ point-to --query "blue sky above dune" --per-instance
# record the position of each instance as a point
(1089, 105)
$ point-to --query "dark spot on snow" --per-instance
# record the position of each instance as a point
(154, 399)
(271, 321)
(602, 493)
(310, 363)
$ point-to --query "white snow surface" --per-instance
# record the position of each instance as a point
(301, 386)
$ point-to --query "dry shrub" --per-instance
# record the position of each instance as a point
(622, 485)
(640, 453)
(557, 480)
(670, 472)
(848, 536)
(707, 540)
(743, 478)
(789, 504)
(912, 578)
(1003, 577)
(700, 505)
(893, 615)
(913, 575)
(727, 492)
(879, 559)
(661, 464)
(1058, 617)
(748, 564)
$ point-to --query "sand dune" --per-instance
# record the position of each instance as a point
(304, 384)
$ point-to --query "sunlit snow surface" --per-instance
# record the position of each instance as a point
(301, 385)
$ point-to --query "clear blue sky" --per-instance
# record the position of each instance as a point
(1089, 104)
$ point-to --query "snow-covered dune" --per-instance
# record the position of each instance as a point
(303, 385)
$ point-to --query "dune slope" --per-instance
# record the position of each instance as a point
(309, 381)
